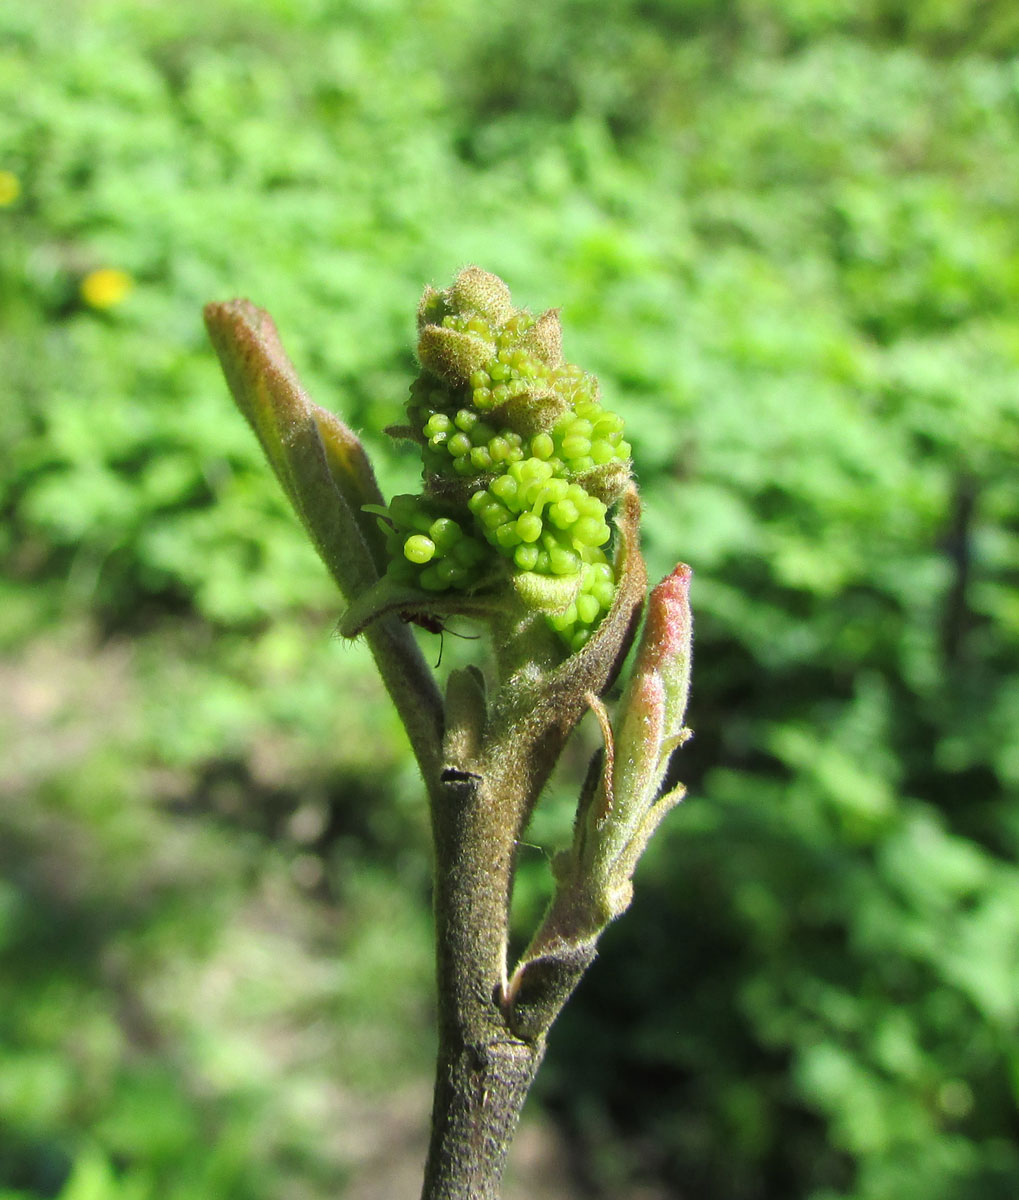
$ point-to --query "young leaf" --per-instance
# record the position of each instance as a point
(318, 460)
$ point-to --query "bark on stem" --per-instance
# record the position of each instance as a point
(479, 1094)
(484, 1072)
(496, 764)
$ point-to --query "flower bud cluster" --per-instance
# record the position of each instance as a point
(588, 436)
(512, 438)
(463, 442)
(428, 548)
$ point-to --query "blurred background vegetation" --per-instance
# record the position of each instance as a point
(784, 234)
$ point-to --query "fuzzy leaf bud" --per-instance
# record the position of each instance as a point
(431, 308)
(481, 291)
(607, 482)
(533, 411)
(452, 355)
(545, 337)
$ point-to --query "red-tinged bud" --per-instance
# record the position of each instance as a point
(666, 648)
(622, 806)
(648, 727)
(638, 744)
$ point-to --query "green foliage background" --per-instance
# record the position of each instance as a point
(784, 233)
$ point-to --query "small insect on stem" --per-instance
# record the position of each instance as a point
(432, 624)
(435, 625)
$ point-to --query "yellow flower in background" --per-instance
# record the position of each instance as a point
(105, 287)
(10, 188)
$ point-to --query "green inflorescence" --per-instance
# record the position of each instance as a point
(521, 461)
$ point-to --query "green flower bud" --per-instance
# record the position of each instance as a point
(429, 548)
(419, 549)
